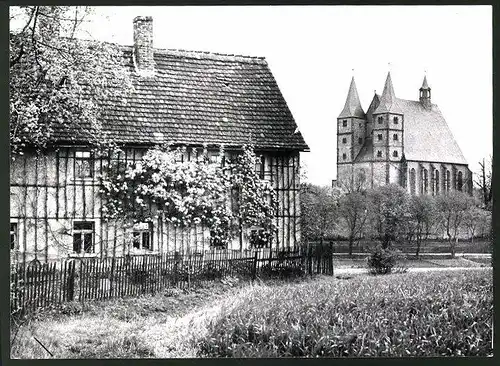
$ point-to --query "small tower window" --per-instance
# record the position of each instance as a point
(379, 137)
(360, 140)
(380, 120)
(395, 153)
(395, 137)
(379, 154)
(396, 120)
(344, 140)
(344, 156)
(344, 123)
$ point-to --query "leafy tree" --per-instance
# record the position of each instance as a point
(59, 82)
(476, 219)
(422, 211)
(389, 211)
(452, 208)
(319, 210)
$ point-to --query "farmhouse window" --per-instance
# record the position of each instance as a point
(395, 153)
(83, 237)
(344, 123)
(259, 167)
(395, 137)
(83, 164)
(379, 136)
(142, 236)
(13, 235)
(344, 140)
(379, 154)
(380, 120)
(396, 120)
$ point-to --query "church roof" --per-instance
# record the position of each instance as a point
(427, 136)
(352, 107)
(388, 100)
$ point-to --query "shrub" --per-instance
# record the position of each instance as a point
(384, 261)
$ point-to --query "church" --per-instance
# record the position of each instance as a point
(404, 142)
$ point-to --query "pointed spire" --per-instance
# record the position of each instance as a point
(352, 107)
(388, 100)
(424, 86)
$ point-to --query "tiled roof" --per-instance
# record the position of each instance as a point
(427, 136)
(198, 98)
(352, 107)
(388, 100)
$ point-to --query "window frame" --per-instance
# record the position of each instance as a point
(82, 233)
(380, 137)
(379, 153)
(14, 235)
(82, 156)
(380, 120)
(395, 154)
(344, 140)
(395, 120)
(395, 137)
(139, 232)
(344, 123)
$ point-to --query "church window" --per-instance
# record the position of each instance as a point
(447, 180)
(425, 181)
(379, 154)
(460, 181)
(344, 140)
(396, 120)
(395, 137)
(344, 156)
(379, 137)
(395, 153)
(360, 140)
(412, 181)
(380, 120)
(436, 181)
(344, 123)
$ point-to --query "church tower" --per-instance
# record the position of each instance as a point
(388, 125)
(351, 128)
(425, 94)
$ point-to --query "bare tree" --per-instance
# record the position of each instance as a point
(483, 181)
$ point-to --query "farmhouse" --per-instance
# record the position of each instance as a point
(193, 100)
(399, 141)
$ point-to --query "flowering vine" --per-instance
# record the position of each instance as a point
(188, 193)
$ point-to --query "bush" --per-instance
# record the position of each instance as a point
(384, 261)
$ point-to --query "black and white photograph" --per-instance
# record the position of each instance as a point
(251, 181)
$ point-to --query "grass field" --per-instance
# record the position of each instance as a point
(412, 262)
(410, 314)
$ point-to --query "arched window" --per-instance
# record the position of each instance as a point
(380, 119)
(396, 120)
(460, 181)
(436, 180)
(447, 180)
(412, 181)
(425, 181)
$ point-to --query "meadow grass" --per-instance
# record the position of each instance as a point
(411, 314)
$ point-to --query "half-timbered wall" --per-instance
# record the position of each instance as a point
(48, 197)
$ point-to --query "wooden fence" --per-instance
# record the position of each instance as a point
(35, 284)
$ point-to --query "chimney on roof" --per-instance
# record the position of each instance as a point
(143, 45)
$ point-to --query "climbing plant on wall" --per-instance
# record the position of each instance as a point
(188, 193)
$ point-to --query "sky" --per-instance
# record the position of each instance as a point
(313, 51)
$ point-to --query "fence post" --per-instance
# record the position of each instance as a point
(111, 277)
(71, 281)
(254, 268)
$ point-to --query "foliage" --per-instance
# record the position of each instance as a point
(188, 193)
(452, 208)
(353, 210)
(422, 212)
(384, 260)
(388, 211)
(319, 211)
(483, 182)
(57, 82)
(412, 314)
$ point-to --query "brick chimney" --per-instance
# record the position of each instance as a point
(143, 45)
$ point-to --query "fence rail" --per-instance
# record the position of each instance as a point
(35, 284)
